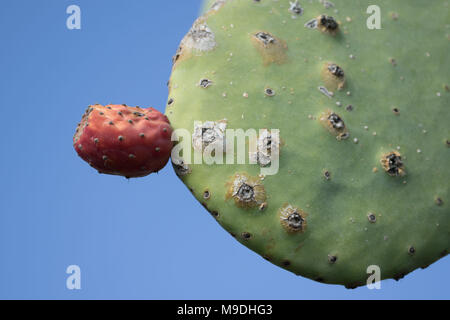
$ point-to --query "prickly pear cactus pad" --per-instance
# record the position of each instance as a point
(364, 134)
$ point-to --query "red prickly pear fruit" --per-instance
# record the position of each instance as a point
(126, 141)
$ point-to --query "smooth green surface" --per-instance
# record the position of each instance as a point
(407, 214)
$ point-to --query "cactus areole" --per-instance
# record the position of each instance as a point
(359, 183)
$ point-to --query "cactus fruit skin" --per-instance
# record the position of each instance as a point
(122, 140)
(394, 99)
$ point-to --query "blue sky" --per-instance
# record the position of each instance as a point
(137, 239)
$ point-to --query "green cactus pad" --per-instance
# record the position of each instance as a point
(364, 129)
